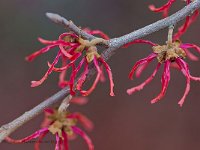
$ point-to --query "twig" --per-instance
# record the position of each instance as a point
(114, 44)
(69, 25)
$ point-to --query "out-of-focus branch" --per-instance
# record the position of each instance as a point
(114, 44)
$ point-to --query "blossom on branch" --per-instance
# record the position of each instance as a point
(75, 50)
(63, 125)
(169, 54)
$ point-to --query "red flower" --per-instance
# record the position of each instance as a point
(189, 19)
(71, 49)
(168, 54)
(63, 126)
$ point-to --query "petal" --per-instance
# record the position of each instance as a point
(190, 55)
(100, 33)
(79, 100)
(139, 41)
(83, 77)
(85, 121)
(185, 71)
(73, 76)
(195, 78)
(163, 8)
(73, 35)
(28, 138)
(84, 136)
(189, 20)
(37, 143)
(37, 83)
(109, 72)
(148, 59)
(58, 146)
(56, 69)
(165, 82)
(102, 78)
(66, 145)
(39, 52)
(141, 86)
(189, 45)
(89, 91)
(65, 52)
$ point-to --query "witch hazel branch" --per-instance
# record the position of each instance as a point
(80, 56)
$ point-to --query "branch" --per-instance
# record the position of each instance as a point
(114, 44)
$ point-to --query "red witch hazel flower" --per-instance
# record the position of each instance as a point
(171, 54)
(165, 10)
(63, 125)
(75, 50)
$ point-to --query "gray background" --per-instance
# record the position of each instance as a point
(122, 122)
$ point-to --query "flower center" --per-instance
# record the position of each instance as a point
(170, 51)
(61, 123)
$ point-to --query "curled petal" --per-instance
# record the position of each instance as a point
(163, 8)
(85, 93)
(64, 68)
(73, 76)
(188, 45)
(189, 20)
(141, 62)
(56, 42)
(190, 55)
(83, 77)
(139, 41)
(37, 83)
(109, 72)
(67, 34)
(37, 143)
(141, 86)
(84, 136)
(184, 68)
(102, 78)
(195, 78)
(41, 51)
(86, 122)
(165, 82)
(46, 122)
(64, 52)
(100, 33)
(65, 142)
(175, 66)
(28, 138)
(58, 145)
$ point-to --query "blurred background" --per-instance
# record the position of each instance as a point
(122, 122)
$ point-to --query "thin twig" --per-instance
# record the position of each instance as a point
(114, 44)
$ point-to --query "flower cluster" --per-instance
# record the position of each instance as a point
(170, 54)
(75, 52)
(63, 125)
(188, 21)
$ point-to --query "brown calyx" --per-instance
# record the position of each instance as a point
(170, 51)
(61, 123)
